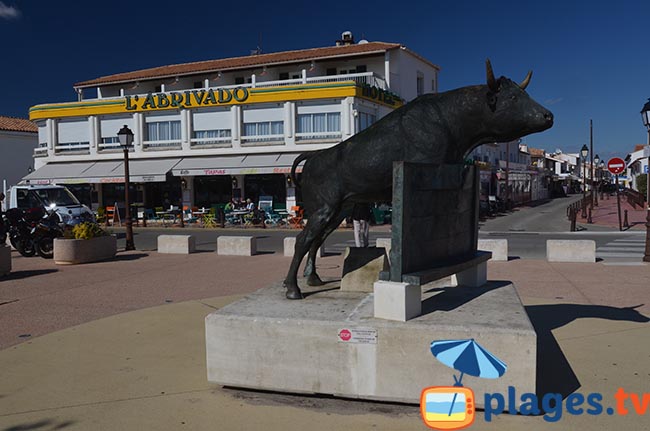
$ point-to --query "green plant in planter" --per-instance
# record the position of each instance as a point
(87, 230)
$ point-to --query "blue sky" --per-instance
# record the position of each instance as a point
(590, 60)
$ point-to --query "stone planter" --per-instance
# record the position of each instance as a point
(73, 251)
(5, 260)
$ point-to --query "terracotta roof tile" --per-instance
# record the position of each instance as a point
(638, 147)
(246, 62)
(13, 124)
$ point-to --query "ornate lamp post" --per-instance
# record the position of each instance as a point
(645, 115)
(583, 153)
(594, 191)
(126, 142)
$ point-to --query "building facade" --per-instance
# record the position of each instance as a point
(18, 138)
(210, 131)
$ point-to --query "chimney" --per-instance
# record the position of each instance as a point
(346, 39)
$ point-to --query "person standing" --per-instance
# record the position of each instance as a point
(361, 223)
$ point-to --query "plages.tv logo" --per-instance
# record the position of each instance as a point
(454, 407)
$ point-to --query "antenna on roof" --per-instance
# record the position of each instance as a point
(258, 50)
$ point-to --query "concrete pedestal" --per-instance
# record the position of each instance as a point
(5, 260)
(397, 301)
(361, 268)
(330, 343)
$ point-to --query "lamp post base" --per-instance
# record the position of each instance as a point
(129, 235)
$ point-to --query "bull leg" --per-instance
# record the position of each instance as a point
(316, 225)
(310, 267)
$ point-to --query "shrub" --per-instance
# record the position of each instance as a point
(87, 230)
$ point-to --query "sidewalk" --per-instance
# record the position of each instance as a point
(606, 214)
(120, 346)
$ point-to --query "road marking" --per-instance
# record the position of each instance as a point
(625, 249)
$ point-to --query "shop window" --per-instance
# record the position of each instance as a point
(157, 89)
(330, 71)
(318, 126)
(239, 80)
(263, 131)
(284, 75)
(198, 84)
(362, 68)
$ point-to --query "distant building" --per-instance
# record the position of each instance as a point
(508, 173)
(18, 139)
(637, 163)
(208, 131)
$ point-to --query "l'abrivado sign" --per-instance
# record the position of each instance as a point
(211, 97)
(187, 99)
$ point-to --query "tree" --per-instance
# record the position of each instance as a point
(642, 184)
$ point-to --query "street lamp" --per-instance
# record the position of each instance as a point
(125, 136)
(594, 193)
(645, 115)
(583, 152)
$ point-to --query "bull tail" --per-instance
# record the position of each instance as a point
(300, 158)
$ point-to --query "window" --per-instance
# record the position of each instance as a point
(198, 84)
(157, 89)
(211, 137)
(239, 80)
(112, 142)
(365, 120)
(263, 131)
(330, 71)
(163, 133)
(318, 126)
(284, 75)
(361, 68)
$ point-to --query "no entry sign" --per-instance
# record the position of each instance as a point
(616, 165)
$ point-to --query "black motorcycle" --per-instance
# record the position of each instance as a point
(19, 225)
(44, 232)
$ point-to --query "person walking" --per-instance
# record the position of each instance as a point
(361, 223)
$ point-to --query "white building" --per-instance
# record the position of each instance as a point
(211, 130)
(18, 139)
(637, 163)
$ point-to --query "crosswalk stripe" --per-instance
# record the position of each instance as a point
(608, 254)
(606, 248)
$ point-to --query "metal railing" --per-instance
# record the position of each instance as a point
(634, 198)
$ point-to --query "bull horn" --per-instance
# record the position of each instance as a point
(526, 80)
(491, 82)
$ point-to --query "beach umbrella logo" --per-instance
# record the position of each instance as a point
(453, 407)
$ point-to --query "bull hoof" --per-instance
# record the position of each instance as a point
(294, 294)
(314, 280)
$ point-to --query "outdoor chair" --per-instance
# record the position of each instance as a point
(296, 221)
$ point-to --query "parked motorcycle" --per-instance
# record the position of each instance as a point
(45, 231)
(19, 228)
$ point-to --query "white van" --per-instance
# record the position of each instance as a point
(70, 210)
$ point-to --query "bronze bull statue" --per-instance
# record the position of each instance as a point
(433, 128)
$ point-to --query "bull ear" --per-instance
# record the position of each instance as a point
(491, 82)
(526, 80)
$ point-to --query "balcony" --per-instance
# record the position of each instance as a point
(361, 79)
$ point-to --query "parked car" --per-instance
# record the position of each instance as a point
(51, 197)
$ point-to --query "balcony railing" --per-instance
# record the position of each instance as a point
(162, 145)
(40, 151)
(72, 147)
(225, 141)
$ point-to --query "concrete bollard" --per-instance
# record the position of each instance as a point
(176, 244)
(385, 243)
(561, 250)
(290, 246)
(236, 245)
(5, 260)
(397, 301)
(498, 247)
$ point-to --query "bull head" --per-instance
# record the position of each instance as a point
(493, 84)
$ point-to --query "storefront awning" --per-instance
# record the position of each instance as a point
(236, 165)
(107, 171)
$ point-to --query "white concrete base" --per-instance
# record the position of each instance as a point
(562, 250)
(498, 247)
(290, 245)
(330, 343)
(176, 244)
(236, 245)
(475, 276)
(397, 301)
(5, 260)
(385, 243)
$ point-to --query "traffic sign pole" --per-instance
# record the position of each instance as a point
(618, 204)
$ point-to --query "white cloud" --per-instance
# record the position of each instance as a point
(8, 12)
(553, 101)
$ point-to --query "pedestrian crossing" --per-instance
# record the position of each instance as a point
(623, 249)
